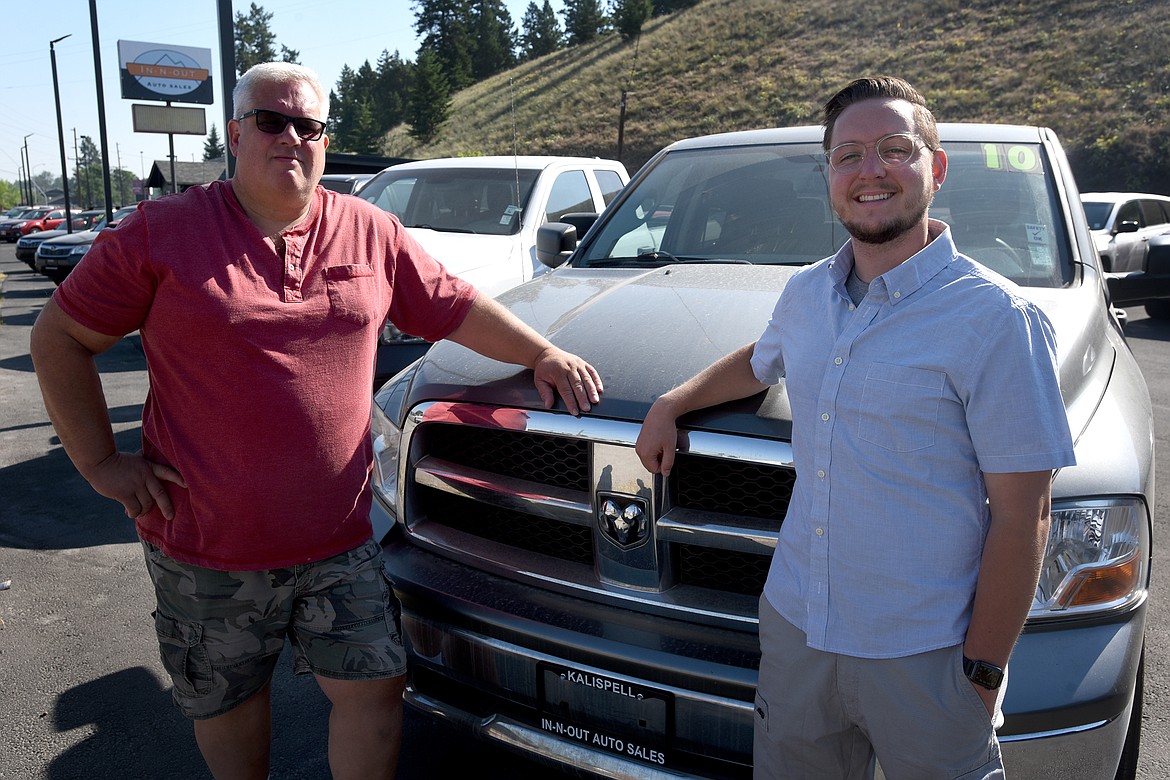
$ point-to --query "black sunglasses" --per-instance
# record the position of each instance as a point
(274, 122)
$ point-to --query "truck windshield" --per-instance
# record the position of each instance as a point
(769, 204)
(458, 200)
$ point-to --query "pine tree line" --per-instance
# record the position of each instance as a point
(461, 42)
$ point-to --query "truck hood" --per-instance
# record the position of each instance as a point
(491, 263)
(647, 331)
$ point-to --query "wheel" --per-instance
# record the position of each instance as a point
(1127, 768)
(1158, 310)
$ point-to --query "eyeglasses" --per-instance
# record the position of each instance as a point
(893, 150)
(274, 122)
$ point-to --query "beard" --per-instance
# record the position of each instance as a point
(891, 229)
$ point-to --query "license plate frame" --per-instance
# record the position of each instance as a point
(606, 713)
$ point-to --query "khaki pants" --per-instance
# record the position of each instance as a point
(823, 715)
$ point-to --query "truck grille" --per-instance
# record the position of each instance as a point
(533, 486)
(549, 460)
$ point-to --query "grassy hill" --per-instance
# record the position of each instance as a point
(1097, 72)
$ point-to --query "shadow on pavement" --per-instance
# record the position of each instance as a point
(126, 355)
(138, 732)
(54, 508)
(33, 292)
(132, 720)
(1149, 328)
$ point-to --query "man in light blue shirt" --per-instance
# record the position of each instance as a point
(927, 422)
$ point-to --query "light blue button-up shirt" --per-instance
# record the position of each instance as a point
(899, 405)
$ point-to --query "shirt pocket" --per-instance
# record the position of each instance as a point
(352, 292)
(899, 407)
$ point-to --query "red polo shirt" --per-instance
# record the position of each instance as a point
(260, 368)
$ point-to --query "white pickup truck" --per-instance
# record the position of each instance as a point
(479, 217)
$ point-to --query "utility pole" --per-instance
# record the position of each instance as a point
(61, 133)
(27, 172)
(77, 163)
(121, 178)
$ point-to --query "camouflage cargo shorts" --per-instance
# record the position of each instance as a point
(220, 633)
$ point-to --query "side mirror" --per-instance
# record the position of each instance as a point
(555, 242)
(582, 220)
(1127, 227)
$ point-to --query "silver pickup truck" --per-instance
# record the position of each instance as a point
(563, 602)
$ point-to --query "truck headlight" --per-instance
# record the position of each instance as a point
(387, 438)
(1096, 559)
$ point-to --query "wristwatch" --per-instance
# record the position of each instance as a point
(982, 673)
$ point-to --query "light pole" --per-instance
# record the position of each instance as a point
(61, 132)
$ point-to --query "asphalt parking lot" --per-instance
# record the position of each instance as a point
(82, 693)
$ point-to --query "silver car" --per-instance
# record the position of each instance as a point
(57, 257)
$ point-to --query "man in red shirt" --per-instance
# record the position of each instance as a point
(259, 301)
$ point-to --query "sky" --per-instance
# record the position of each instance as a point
(328, 35)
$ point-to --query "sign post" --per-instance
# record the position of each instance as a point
(171, 74)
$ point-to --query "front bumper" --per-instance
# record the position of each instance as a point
(486, 650)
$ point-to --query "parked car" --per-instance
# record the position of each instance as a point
(479, 215)
(1124, 225)
(563, 601)
(32, 221)
(56, 257)
(26, 246)
(35, 218)
(347, 183)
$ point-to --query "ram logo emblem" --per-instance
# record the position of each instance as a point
(625, 520)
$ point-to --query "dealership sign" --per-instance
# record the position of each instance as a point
(176, 120)
(174, 74)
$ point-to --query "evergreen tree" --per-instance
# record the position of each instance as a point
(343, 109)
(584, 20)
(255, 41)
(542, 33)
(358, 93)
(494, 37)
(392, 90)
(445, 29)
(213, 147)
(630, 15)
(430, 97)
(365, 136)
